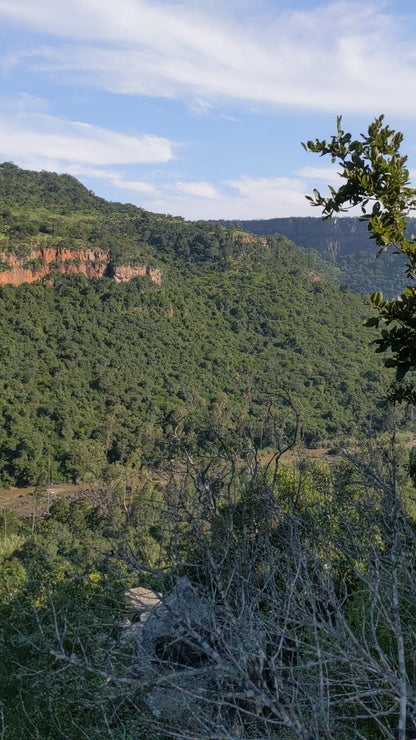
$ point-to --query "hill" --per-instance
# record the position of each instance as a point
(97, 371)
(344, 245)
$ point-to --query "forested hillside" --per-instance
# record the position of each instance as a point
(44, 209)
(345, 246)
(203, 585)
(94, 372)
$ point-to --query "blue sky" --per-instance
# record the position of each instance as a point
(198, 108)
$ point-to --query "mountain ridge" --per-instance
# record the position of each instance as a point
(344, 246)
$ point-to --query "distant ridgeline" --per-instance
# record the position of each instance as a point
(97, 371)
(349, 254)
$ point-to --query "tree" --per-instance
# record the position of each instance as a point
(287, 611)
(377, 179)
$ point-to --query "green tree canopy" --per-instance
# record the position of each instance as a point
(377, 179)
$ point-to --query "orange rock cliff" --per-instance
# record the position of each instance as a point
(92, 263)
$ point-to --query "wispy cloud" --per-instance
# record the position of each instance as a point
(262, 196)
(247, 197)
(198, 189)
(40, 141)
(36, 140)
(220, 59)
(329, 174)
(133, 185)
(338, 56)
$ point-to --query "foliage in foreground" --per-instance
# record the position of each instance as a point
(306, 581)
(376, 178)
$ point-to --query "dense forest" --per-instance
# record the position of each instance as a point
(44, 209)
(214, 578)
(345, 248)
(94, 372)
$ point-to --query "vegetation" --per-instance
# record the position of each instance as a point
(96, 373)
(298, 635)
(45, 209)
(376, 177)
(342, 249)
(177, 403)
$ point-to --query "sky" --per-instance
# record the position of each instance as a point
(197, 107)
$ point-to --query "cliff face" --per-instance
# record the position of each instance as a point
(88, 262)
(124, 273)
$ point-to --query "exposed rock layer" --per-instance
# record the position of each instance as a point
(91, 263)
(124, 273)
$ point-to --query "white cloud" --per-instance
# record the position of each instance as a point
(258, 187)
(268, 197)
(341, 56)
(329, 174)
(245, 198)
(200, 107)
(198, 189)
(134, 185)
(115, 178)
(37, 140)
(27, 103)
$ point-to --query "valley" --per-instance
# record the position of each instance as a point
(193, 410)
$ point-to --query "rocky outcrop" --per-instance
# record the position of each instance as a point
(124, 273)
(141, 602)
(93, 263)
(252, 239)
(176, 650)
(315, 276)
